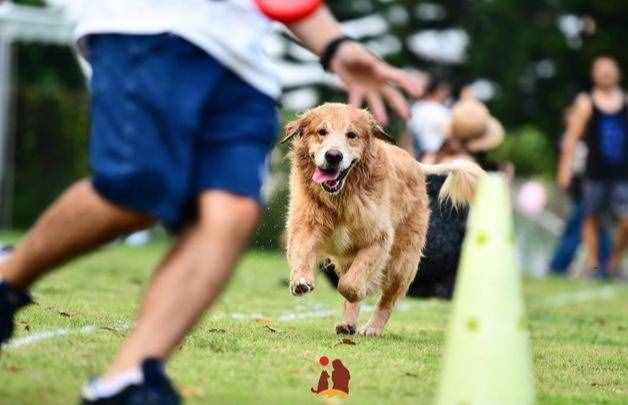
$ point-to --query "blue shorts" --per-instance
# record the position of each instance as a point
(169, 122)
(605, 198)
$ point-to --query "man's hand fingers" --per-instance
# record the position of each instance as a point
(377, 107)
(356, 96)
(397, 101)
(401, 79)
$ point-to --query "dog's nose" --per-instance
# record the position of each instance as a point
(333, 156)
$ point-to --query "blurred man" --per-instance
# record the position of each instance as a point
(183, 116)
(571, 236)
(600, 118)
(429, 120)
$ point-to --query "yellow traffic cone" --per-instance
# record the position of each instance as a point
(487, 357)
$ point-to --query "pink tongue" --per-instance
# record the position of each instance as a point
(321, 176)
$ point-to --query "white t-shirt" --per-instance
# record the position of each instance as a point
(231, 31)
(428, 123)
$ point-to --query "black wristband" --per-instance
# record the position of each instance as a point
(330, 51)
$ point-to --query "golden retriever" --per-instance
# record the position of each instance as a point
(361, 202)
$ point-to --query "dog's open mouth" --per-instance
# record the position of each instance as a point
(330, 179)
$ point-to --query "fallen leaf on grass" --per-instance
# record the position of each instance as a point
(410, 374)
(136, 281)
(112, 330)
(346, 341)
(189, 392)
(264, 321)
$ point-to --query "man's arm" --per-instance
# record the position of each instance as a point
(365, 76)
(576, 125)
(492, 140)
(317, 30)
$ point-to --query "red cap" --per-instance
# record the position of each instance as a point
(288, 11)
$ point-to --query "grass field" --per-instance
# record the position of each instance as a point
(579, 330)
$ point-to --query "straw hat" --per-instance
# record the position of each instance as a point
(473, 125)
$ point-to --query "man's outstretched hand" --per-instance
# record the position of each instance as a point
(367, 77)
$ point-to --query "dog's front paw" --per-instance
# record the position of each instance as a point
(301, 286)
(370, 330)
(344, 328)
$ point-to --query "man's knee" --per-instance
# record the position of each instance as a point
(228, 212)
(122, 218)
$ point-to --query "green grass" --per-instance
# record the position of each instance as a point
(580, 349)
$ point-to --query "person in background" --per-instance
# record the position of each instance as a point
(600, 119)
(183, 115)
(427, 127)
(570, 239)
(472, 132)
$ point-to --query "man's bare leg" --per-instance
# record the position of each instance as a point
(189, 279)
(78, 221)
(621, 243)
(590, 235)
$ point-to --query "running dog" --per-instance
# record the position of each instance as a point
(361, 202)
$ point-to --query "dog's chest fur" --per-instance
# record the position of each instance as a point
(345, 241)
(355, 230)
(341, 241)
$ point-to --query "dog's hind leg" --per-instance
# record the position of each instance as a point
(348, 326)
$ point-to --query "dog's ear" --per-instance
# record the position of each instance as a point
(295, 128)
(378, 131)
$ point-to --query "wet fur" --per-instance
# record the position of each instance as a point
(374, 229)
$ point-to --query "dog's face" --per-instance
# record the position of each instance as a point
(333, 138)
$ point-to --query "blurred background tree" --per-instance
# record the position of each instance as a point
(52, 124)
(530, 58)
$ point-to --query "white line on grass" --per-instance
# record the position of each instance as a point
(35, 338)
(316, 310)
(578, 297)
(41, 336)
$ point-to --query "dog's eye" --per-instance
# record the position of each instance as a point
(322, 132)
(351, 135)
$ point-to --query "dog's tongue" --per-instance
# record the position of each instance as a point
(320, 176)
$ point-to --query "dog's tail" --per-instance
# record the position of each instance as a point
(463, 177)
